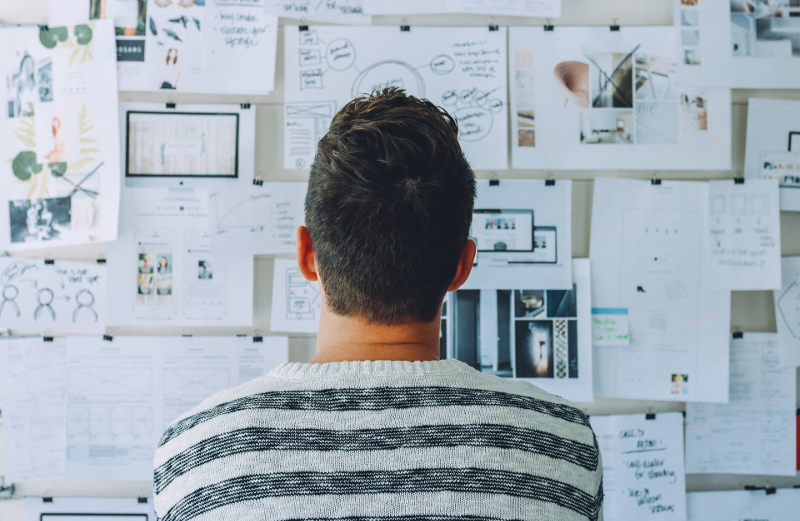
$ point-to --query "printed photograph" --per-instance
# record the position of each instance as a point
(611, 80)
(689, 2)
(534, 348)
(164, 263)
(765, 28)
(44, 80)
(657, 123)
(145, 285)
(164, 283)
(526, 124)
(146, 263)
(690, 37)
(528, 303)
(606, 127)
(21, 90)
(562, 303)
(57, 132)
(680, 384)
(573, 80)
(204, 271)
(39, 219)
(691, 57)
(170, 73)
(129, 15)
(655, 77)
(690, 17)
(694, 111)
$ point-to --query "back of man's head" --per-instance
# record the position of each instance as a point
(389, 207)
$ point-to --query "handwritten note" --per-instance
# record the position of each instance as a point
(331, 11)
(643, 474)
(744, 239)
(610, 327)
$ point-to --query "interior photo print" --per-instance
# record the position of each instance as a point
(765, 28)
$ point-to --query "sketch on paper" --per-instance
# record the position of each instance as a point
(296, 302)
(330, 11)
(302, 297)
(182, 144)
(597, 92)
(58, 297)
(460, 69)
(787, 311)
(61, 158)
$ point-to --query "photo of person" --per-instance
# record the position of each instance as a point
(59, 152)
(534, 351)
(145, 285)
(170, 74)
(146, 263)
(22, 93)
(165, 263)
(204, 270)
(164, 284)
(680, 384)
(39, 219)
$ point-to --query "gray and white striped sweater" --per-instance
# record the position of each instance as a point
(380, 441)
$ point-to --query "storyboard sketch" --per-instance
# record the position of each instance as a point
(296, 302)
(643, 473)
(740, 505)
(787, 312)
(744, 235)
(462, 69)
(52, 296)
(102, 416)
(540, 335)
(755, 432)
(349, 12)
(258, 219)
(59, 145)
(207, 46)
(163, 271)
(536, 8)
(523, 233)
(88, 509)
(34, 408)
(773, 146)
(740, 44)
(590, 98)
(648, 257)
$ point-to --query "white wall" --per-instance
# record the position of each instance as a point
(751, 311)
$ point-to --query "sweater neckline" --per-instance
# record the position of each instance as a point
(367, 368)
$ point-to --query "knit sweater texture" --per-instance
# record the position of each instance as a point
(380, 441)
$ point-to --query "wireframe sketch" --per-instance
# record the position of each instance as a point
(459, 68)
(111, 381)
(182, 144)
(108, 420)
(765, 28)
(85, 300)
(195, 382)
(44, 297)
(302, 298)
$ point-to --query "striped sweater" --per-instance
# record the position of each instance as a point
(380, 441)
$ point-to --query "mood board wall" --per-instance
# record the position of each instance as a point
(751, 311)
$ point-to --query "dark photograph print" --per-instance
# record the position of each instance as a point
(534, 348)
(39, 219)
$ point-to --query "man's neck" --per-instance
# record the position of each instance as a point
(346, 339)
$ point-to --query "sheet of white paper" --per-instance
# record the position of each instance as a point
(216, 46)
(123, 393)
(60, 181)
(643, 476)
(34, 408)
(523, 230)
(331, 11)
(744, 235)
(87, 509)
(162, 270)
(123, 13)
(739, 505)
(787, 312)
(63, 297)
(773, 146)
(647, 251)
(296, 301)
(462, 69)
(539, 8)
(610, 327)
(754, 433)
(261, 219)
(739, 44)
(589, 98)
(541, 335)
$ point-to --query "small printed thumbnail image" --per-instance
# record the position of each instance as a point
(524, 86)
(765, 28)
(606, 127)
(694, 111)
(690, 37)
(689, 2)
(691, 57)
(515, 333)
(38, 220)
(690, 17)
(679, 384)
(204, 270)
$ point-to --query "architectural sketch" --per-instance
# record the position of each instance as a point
(61, 296)
(611, 98)
(461, 69)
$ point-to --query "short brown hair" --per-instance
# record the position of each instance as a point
(389, 207)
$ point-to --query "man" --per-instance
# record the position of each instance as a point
(376, 427)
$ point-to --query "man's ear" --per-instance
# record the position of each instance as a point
(464, 265)
(305, 255)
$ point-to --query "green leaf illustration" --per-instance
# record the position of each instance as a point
(24, 165)
(52, 36)
(58, 169)
(83, 33)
